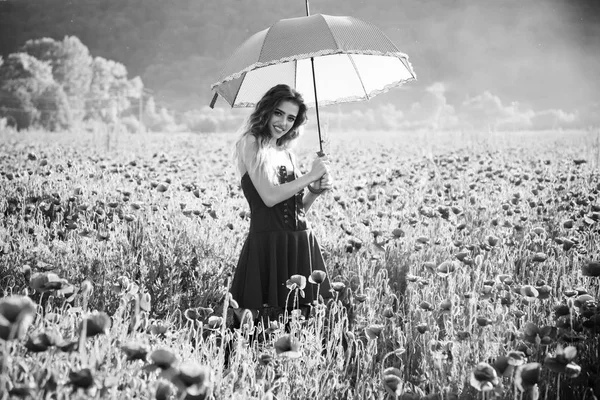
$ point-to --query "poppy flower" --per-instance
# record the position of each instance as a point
(505, 279)
(492, 240)
(562, 361)
(591, 268)
(96, 323)
(163, 359)
(484, 377)
(287, 346)
(43, 340)
(502, 366)
(567, 244)
(159, 328)
(274, 326)
(121, 285)
(45, 281)
(373, 331)
(582, 299)
(360, 297)
(392, 381)
(83, 378)
(398, 233)
(16, 315)
(215, 322)
(135, 351)
(317, 277)
(164, 390)
(338, 286)
(296, 282)
(539, 231)
(516, 357)
(544, 291)
(422, 328)
(539, 257)
(446, 306)
(529, 291)
(445, 269)
(388, 312)
(265, 359)
(536, 335)
(192, 314)
(562, 310)
(527, 376)
(194, 374)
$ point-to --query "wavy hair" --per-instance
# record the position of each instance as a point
(257, 126)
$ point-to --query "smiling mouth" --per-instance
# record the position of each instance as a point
(278, 129)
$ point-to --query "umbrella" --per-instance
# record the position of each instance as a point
(331, 59)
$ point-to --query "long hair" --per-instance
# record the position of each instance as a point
(257, 126)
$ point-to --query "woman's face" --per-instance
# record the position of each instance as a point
(283, 118)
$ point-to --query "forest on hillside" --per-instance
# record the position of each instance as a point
(178, 47)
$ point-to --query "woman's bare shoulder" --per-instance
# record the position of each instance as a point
(248, 139)
(247, 152)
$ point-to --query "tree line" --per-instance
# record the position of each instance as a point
(177, 47)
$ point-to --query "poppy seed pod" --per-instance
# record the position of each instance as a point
(86, 288)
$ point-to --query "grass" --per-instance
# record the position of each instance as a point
(460, 271)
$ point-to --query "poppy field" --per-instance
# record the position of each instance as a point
(463, 266)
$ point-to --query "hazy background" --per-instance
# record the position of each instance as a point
(495, 64)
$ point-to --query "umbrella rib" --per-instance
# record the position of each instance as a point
(358, 75)
(239, 88)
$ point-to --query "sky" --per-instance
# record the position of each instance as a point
(525, 63)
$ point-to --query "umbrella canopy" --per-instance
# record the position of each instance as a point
(353, 61)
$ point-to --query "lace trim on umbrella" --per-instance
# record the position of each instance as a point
(327, 52)
(348, 99)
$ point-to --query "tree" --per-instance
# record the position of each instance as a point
(71, 67)
(25, 84)
(110, 90)
(53, 108)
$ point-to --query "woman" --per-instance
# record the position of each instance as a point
(280, 242)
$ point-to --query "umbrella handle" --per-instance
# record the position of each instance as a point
(320, 153)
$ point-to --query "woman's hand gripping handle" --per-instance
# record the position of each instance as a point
(321, 168)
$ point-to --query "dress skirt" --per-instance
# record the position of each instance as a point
(268, 260)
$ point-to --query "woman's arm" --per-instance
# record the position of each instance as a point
(270, 193)
(309, 198)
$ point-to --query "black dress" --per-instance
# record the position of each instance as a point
(280, 244)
